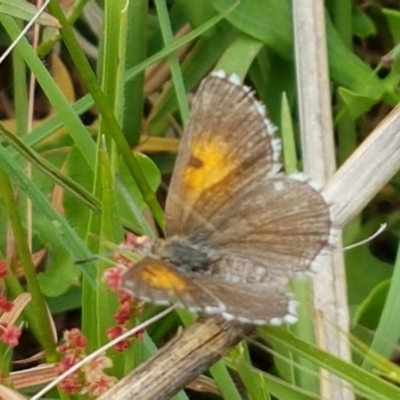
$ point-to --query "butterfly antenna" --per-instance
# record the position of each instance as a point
(377, 233)
(97, 257)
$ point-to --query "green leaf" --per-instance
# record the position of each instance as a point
(50, 170)
(372, 386)
(389, 323)
(363, 25)
(130, 207)
(364, 273)
(78, 171)
(356, 103)
(369, 311)
(393, 18)
(270, 21)
(59, 226)
(70, 119)
(26, 11)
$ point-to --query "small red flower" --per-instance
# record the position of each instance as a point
(94, 368)
(75, 339)
(122, 346)
(66, 363)
(139, 334)
(124, 296)
(116, 331)
(101, 385)
(132, 242)
(5, 305)
(10, 335)
(3, 270)
(124, 311)
(72, 384)
(113, 277)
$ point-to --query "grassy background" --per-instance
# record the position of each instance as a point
(252, 39)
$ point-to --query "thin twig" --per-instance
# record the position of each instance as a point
(27, 27)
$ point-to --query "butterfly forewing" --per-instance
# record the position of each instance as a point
(223, 150)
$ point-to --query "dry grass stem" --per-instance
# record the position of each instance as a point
(329, 285)
(179, 361)
(369, 168)
(157, 74)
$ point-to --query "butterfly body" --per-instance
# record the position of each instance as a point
(190, 254)
(237, 229)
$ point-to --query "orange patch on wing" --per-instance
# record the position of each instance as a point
(162, 277)
(210, 164)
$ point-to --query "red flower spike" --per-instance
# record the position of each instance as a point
(5, 305)
(124, 312)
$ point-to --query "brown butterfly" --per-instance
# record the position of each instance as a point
(237, 230)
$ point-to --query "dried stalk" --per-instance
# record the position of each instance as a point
(368, 169)
(180, 361)
(329, 286)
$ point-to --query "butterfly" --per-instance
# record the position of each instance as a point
(237, 228)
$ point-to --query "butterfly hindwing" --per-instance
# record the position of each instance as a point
(281, 226)
(160, 283)
(251, 303)
(157, 281)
